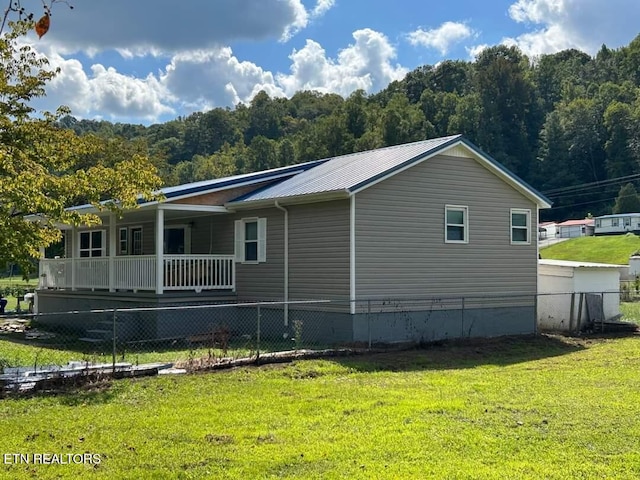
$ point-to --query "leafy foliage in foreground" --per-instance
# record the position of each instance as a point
(508, 408)
(44, 168)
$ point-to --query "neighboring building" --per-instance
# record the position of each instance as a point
(547, 230)
(560, 285)
(617, 224)
(575, 228)
(436, 218)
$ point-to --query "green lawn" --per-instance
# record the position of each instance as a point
(608, 249)
(10, 284)
(525, 408)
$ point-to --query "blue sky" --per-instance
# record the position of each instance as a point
(150, 61)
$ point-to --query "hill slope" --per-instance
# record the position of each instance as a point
(610, 249)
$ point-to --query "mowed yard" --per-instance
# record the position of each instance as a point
(530, 407)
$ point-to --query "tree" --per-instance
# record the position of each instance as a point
(39, 161)
(628, 200)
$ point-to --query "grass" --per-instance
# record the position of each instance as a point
(608, 249)
(16, 282)
(533, 407)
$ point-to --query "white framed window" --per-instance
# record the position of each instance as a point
(627, 221)
(136, 241)
(92, 243)
(614, 222)
(123, 241)
(251, 240)
(456, 219)
(598, 223)
(130, 241)
(520, 226)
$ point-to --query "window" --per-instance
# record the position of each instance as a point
(124, 241)
(130, 241)
(136, 241)
(456, 230)
(614, 222)
(251, 240)
(627, 222)
(598, 223)
(520, 225)
(92, 244)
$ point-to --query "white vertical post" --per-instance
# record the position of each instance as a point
(112, 252)
(75, 251)
(159, 250)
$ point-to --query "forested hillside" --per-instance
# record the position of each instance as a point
(559, 121)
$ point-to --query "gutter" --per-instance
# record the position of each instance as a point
(286, 261)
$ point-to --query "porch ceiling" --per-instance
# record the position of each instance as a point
(172, 212)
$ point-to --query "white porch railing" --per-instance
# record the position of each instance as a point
(138, 272)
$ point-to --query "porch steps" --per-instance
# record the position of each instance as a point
(92, 340)
(96, 336)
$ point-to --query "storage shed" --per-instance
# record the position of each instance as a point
(561, 285)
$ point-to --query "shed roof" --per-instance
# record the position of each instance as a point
(575, 264)
(347, 174)
(575, 223)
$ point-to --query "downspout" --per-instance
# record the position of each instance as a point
(286, 262)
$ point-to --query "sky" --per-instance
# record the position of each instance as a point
(150, 61)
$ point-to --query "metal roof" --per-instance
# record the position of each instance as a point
(574, 264)
(347, 174)
(205, 186)
(619, 215)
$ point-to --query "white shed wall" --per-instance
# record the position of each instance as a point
(559, 282)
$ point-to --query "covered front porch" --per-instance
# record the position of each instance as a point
(163, 247)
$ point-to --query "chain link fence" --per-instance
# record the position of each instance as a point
(197, 336)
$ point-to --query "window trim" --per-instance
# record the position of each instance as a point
(526, 212)
(464, 225)
(103, 246)
(123, 241)
(240, 240)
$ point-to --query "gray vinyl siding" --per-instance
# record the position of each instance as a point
(319, 251)
(400, 247)
(262, 281)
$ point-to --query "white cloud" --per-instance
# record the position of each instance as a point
(222, 79)
(168, 26)
(322, 7)
(476, 50)
(441, 38)
(366, 64)
(581, 24)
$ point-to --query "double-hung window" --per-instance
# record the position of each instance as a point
(456, 224)
(251, 240)
(520, 226)
(92, 243)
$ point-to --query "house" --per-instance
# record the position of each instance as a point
(435, 218)
(547, 230)
(575, 228)
(617, 224)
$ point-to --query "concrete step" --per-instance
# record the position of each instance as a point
(92, 340)
(99, 332)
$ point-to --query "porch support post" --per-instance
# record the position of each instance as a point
(75, 252)
(112, 252)
(159, 250)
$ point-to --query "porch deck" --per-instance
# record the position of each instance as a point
(140, 273)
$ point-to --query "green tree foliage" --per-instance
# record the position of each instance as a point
(628, 200)
(557, 121)
(45, 168)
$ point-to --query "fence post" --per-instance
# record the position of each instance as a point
(113, 353)
(369, 320)
(462, 319)
(258, 335)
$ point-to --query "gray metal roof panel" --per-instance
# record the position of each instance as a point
(346, 172)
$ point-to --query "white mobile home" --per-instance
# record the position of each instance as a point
(617, 224)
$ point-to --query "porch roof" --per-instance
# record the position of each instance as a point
(217, 184)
